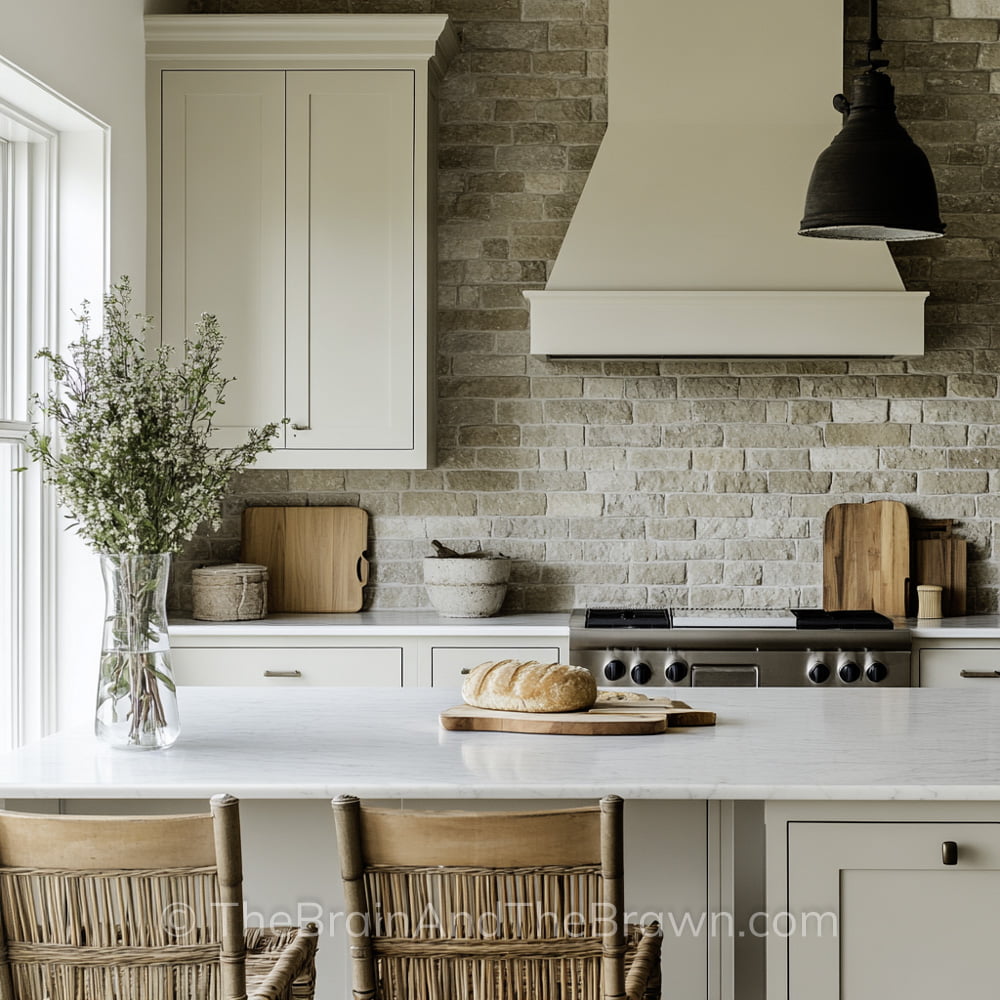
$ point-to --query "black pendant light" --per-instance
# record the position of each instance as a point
(873, 182)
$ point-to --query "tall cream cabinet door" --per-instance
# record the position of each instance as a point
(222, 222)
(875, 912)
(350, 260)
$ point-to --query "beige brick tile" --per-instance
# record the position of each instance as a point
(854, 435)
(843, 458)
(511, 504)
(952, 482)
(575, 504)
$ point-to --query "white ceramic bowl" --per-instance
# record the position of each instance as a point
(466, 588)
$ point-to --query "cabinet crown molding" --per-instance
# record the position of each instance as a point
(302, 37)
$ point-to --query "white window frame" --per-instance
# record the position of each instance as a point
(27, 262)
(55, 247)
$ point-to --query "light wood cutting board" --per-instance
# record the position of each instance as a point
(316, 556)
(624, 719)
(866, 557)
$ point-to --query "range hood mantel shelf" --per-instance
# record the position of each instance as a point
(748, 324)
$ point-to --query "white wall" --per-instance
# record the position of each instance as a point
(92, 54)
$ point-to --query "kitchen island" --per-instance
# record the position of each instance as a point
(773, 743)
(885, 768)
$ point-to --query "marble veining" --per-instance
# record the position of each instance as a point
(911, 744)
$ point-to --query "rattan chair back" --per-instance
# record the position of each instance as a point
(492, 906)
(131, 907)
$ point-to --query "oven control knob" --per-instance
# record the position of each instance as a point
(677, 671)
(642, 673)
(819, 673)
(849, 672)
(876, 672)
(615, 670)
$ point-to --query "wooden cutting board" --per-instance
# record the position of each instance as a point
(866, 557)
(626, 719)
(316, 556)
(942, 561)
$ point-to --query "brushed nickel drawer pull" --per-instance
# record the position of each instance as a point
(301, 427)
(949, 853)
(980, 673)
(282, 673)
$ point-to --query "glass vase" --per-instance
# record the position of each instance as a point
(136, 696)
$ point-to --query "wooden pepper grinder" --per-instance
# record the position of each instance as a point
(929, 601)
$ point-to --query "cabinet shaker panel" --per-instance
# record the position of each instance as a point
(222, 219)
(350, 259)
(882, 909)
(962, 667)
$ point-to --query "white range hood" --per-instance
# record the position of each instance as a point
(684, 241)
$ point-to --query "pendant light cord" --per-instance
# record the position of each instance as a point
(874, 40)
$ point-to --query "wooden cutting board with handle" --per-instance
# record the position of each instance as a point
(316, 556)
(636, 718)
(866, 557)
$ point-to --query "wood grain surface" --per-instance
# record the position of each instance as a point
(315, 555)
(866, 557)
(942, 561)
(636, 718)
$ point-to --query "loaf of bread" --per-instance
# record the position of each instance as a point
(529, 686)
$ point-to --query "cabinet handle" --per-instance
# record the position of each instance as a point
(979, 673)
(282, 673)
(949, 853)
(301, 427)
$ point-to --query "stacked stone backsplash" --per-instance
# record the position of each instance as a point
(684, 482)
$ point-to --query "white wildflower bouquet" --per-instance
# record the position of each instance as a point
(134, 469)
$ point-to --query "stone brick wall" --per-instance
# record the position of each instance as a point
(684, 482)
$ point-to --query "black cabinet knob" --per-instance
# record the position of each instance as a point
(642, 673)
(949, 853)
(819, 673)
(677, 671)
(615, 670)
(849, 672)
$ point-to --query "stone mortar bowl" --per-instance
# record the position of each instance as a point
(466, 588)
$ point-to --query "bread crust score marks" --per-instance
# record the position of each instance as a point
(529, 686)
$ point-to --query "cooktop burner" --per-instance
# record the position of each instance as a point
(628, 618)
(733, 618)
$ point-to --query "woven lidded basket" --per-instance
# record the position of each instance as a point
(235, 592)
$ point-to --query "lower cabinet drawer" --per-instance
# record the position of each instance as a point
(448, 662)
(945, 668)
(323, 666)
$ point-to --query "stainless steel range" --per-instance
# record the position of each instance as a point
(657, 647)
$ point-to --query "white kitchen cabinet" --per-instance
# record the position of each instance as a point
(412, 648)
(864, 907)
(291, 194)
(964, 665)
(275, 666)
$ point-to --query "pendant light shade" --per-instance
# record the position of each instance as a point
(873, 182)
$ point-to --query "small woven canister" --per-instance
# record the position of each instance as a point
(235, 592)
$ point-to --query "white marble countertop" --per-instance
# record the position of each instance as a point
(770, 743)
(401, 623)
(964, 627)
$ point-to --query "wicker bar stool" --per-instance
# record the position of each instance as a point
(492, 906)
(137, 908)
